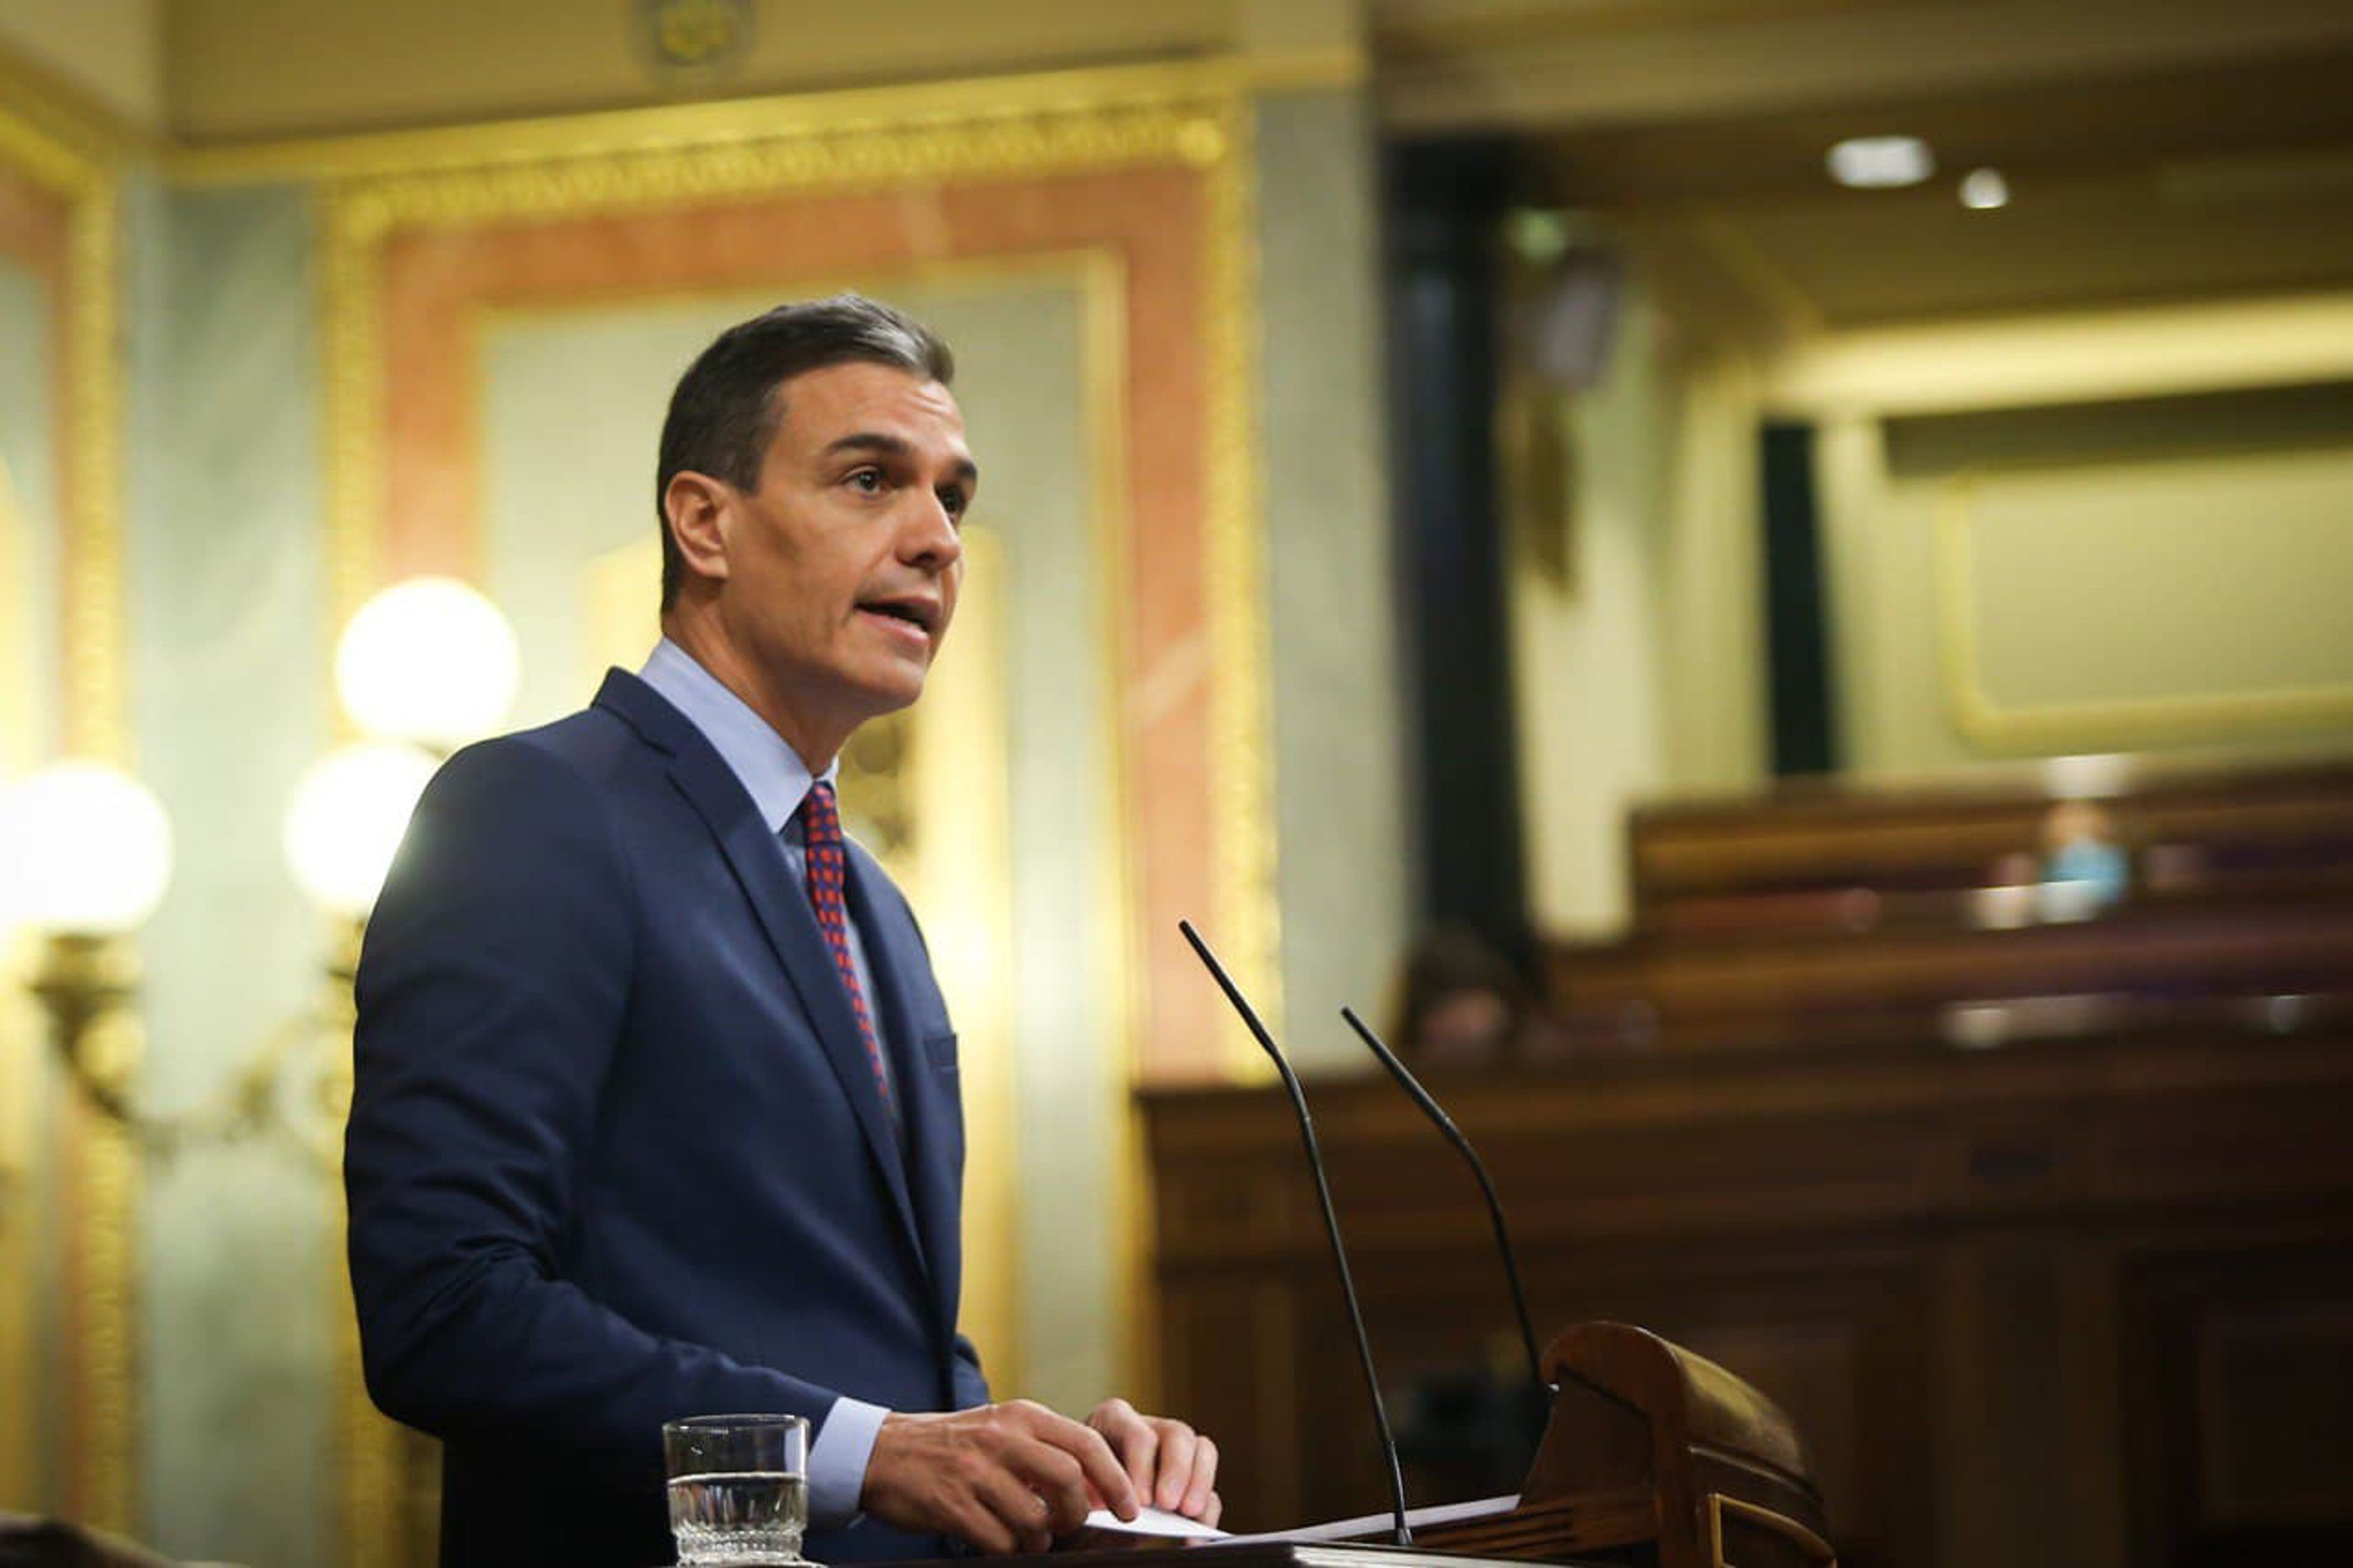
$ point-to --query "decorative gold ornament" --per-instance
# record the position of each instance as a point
(694, 38)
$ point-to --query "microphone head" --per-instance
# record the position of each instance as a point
(1234, 995)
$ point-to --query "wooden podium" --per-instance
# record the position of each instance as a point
(1651, 1456)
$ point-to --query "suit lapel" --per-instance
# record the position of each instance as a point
(782, 910)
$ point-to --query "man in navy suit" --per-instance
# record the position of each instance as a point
(656, 1109)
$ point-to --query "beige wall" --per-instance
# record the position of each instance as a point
(1588, 645)
(110, 50)
(1639, 672)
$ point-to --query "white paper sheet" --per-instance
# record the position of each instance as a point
(1154, 1521)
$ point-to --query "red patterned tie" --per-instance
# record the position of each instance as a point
(821, 837)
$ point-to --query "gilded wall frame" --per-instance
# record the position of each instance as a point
(1034, 130)
(75, 157)
(1006, 145)
(2186, 719)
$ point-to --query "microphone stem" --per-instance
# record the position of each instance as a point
(1330, 1222)
(1453, 1134)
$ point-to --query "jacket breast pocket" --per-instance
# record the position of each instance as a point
(939, 1056)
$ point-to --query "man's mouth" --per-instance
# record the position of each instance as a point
(924, 615)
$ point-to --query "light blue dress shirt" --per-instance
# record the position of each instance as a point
(778, 780)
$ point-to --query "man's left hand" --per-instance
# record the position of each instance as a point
(1174, 1467)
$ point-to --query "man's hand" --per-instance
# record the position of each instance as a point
(1173, 1467)
(1005, 1478)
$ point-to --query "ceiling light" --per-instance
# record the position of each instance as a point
(1984, 189)
(1880, 163)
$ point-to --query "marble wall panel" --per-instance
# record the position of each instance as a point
(241, 1261)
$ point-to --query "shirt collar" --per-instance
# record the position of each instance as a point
(771, 772)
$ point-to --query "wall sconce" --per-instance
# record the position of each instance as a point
(86, 855)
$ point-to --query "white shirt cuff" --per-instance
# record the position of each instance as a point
(836, 1462)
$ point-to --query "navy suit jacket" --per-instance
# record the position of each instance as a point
(616, 1152)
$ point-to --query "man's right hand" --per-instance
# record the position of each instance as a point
(1005, 1478)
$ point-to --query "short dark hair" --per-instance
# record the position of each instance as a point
(727, 405)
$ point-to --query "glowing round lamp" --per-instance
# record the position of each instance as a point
(430, 660)
(346, 818)
(85, 849)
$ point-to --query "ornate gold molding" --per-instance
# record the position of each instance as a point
(1241, 761)
(351, 274)
(55, 134)
(675, 129)
(62, 149)
(2186, 719)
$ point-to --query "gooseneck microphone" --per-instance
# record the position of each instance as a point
(1453, 1134)
(1331, 1221)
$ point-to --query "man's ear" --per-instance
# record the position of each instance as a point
(699, 509)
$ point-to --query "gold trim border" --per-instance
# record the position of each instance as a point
(1120, 979)
(1196, 116)
(859, 112)
(65, 150)
(2075, 726)
(1241, 778)
(23, 1094)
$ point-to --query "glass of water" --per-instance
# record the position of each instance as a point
(738, 1488)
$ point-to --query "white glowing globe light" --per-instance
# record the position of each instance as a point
(85, 850)
(345, 821)
(430, 660)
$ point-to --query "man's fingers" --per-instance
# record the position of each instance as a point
(1197, 1495)
(969, 1516)
(1099, 1465)
(1054, 1477)
(1177, 1444)
(1010, 1478)
(1015, 1512)
(1214, 1513)
(1136, 1441)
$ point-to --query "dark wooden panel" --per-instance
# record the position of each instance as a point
(2237, 1371)
(1229, 1364)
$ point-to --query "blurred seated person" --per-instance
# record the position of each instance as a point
(2085, 870)
(1462, 1004)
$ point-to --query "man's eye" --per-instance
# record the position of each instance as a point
(955, 501)
(867, 479)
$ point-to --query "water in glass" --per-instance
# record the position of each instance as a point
(738, 1517)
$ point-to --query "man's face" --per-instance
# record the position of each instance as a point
(842, 568)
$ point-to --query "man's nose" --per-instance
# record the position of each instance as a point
(931, 538)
